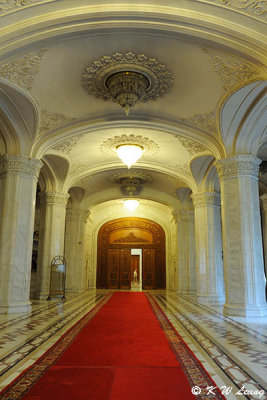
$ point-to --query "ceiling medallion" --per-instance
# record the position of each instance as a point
(127, 79)
(111, 145)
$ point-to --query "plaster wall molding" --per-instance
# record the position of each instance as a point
(23, 70)
(206, 198)
(255, 8)
(233, 71)
(191, 146)
(206, 122)
(149, 146)
(51, 120)
(54, 198)
(238, 165)
(19, 164)
(80, 167)
(6, 6)
(67, 145)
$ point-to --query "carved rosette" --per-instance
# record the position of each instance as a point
(206, 198)
(54, 198)
(20, 164)
(94, 77)
(238, 165)
(110, 145)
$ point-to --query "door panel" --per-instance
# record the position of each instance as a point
(113, 268)
(135, 266)
(148, 269)
(125, 269)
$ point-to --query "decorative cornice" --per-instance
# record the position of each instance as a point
(95, 76)
(67, 145)
(238, 165)
(232, 71)
(203, 199)
(54, 198)
(191, 146)
(20, 164)
(50, 121)
(22, 71)
(109, 146)
(131, 238)
(206, 122)
(256, 8)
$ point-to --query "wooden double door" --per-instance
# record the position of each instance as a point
(119, 269)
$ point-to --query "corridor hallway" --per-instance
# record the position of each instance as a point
(231, 349)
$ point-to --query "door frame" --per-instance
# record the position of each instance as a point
(158, 244)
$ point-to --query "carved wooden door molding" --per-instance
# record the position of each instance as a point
(129, 233)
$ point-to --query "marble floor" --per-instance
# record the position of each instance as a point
(232, 350)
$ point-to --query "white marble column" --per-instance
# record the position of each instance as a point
(264, 227)
(51, 237)
(186, 251)
(242, 239)
(75, 250)
(209, 264)
(18, 179)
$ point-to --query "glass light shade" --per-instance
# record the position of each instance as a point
(131, 205)
(129, 153)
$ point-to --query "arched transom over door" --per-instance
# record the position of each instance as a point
(116, 238)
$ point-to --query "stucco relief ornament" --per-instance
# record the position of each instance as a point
(23, 70)
(232, 71)
(191, 146)
(109, 146)
(50, 121)
(206, 122)
(127, 79)
(256, 7)
(67, 145)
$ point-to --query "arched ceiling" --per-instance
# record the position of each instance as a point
(211, 47)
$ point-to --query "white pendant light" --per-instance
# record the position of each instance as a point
(131, 205)
(129, 153)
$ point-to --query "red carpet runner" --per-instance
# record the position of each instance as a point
(125, 352)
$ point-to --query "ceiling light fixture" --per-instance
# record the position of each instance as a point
(131, 205)
(129, 153)
(127, 88)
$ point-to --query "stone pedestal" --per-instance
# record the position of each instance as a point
(264, 228)
(75, 250)
(209, 264)
(242, 239)
(51, 237)
(186, 252)
(18, 179)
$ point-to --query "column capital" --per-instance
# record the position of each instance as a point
(238, 165)
(205, 198)
(10, 163)
(54, 198)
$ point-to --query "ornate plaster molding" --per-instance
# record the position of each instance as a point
(206, 122)
(94, 77)
(54, 198)
(23, 71)
(67, 145)
(131, 238)
(13, 5)
(80, 167)
(232, 71)
(256, 8)
(85, 183)
(191, 146)
(50, 121)
(117, 178)
(203, 199)
(182, 214)
(182, 168)
(238, 165)
(20, 164)
(149, 146)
